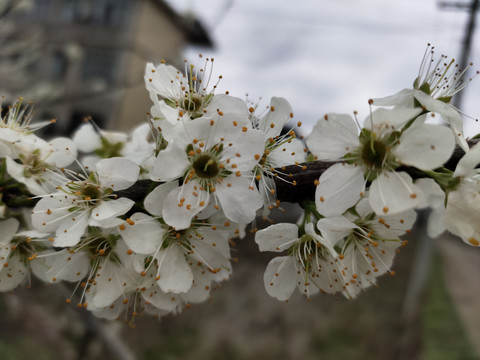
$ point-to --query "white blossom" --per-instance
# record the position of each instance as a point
(463, 202)
(214, 159)
(382, 146)
(311, 263)
(437, 82)
(90, 202)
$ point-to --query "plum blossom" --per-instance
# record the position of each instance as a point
(181, 98)
(368, 243)
(89, 202)
(39, 165)
(214, 160)
(174, 254)
(280, 150)
(17, 251)
(16, 126)
(100, 144)
(383, 146)
(463, 202)
(437, 82)
(311, 263)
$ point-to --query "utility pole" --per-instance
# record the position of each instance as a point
(472, 8)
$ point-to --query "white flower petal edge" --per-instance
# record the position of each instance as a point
(449, 114)
(174, 272)
(183, 203)
(239, 199)
(425, 146)
(393, 192)
(333, 136)
(468, 162)
(277, 237)
(461, 216)
(144, 235)
(112, 208)
(117, 173)
(274, 120)
(155, 199)
(280, 277)
(170, 163)
(339, 188)
(335, 228)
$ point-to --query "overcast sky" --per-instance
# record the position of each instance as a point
(328, 55)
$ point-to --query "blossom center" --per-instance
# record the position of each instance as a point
(374, 153)
(192, 103)
(33, 164)
(206, 167)
(91, 193)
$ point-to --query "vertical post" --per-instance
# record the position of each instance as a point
(467, 45)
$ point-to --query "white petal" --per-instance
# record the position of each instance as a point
(250, 145)
(393, 192)
(239, 199)
(333, 136)
(174, 271)
(87, 139)
(13, 275)
(287, 154)
(393, 226)
(8, 228)
(17, 171)
(109, 283)
(391, 118)
(461, 216)
(335, 228)
(63, 152)
(275, 119)
(117, 173)
(403, 97)
(171, 163)
(425, 146)
(49, 210)
(340, 188)
(165, 80)
(67, 266)
(154, 201)
(449, 114)
(71, 229)
(200, 290)
(159, 299)
(436, 226)
(281, 277)
(468, 162)
(178, 213)
(323, 240)
(145, 236)
(277, 237)
(431, 195)
(207, 252)
(111, 208)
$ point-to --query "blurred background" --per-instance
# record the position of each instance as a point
(81, 58)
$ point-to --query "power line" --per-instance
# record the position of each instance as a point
(472, 8)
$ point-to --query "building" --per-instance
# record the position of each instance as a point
(80, 58)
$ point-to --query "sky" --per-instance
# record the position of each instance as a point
(328, 56)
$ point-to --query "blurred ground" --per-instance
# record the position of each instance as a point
(242, 322)
(462, 276)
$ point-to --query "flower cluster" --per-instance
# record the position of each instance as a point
(142, 223)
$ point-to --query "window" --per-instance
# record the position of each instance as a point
(40, 10)
(99, 64)
(58, 65)
(98, 12)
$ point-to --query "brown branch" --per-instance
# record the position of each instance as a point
(294, 183)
